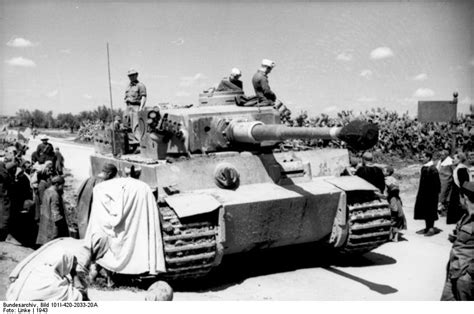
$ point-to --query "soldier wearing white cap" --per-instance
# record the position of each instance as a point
(231, 83)
(135, 99)
(266, 97)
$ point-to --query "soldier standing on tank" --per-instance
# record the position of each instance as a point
(265, 95)
(135, 99)
(459, 284)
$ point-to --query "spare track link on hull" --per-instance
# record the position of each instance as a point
(190, 248)
(369, 226)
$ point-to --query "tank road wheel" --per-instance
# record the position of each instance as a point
(190, 244)
(369, 223)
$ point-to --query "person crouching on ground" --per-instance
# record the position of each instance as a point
(459, 285)
(426, 204)
(52, 223)
(58, 271)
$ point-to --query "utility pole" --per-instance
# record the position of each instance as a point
(111, 103)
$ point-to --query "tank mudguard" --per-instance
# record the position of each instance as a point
(191, 204)
(351, 183)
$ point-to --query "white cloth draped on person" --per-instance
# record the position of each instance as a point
(126, 210)
(57, 271)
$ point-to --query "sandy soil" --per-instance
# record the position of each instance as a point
(412, 269)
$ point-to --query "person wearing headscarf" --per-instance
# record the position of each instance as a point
(426, 204)
(58, 162)
(84, 195)
(58, 271)
(40, 181)
(52, 223)
(460, 176)
(399, 221)
(445, 170)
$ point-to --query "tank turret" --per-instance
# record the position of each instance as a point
(231, 128)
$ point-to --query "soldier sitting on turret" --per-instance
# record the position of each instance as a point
(266, 97)
(231, 83)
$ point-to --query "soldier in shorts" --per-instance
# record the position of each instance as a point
(135, 99)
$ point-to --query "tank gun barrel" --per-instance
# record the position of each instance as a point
(358, 134)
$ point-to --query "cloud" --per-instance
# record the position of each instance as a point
(366, 99)
(178, 42)
(366, 73)
(21, 62)
(65, 51)
(331, 109)
(52, 93)
(344, 56)
(158, 76)
(381, 53)
(87, 96)
(20, 43)
(466, 101)
(182, 94)
(187, 81)
(423, 92)
(472, 62)
(420, 77)
(119, 83)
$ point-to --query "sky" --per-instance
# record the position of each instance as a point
(329, 56)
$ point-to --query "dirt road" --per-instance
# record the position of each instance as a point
(412, 269)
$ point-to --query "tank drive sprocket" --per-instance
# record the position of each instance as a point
(190, 245)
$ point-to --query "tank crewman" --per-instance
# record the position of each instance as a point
(459, 284)
(231, 83)
(266, 97)
(135, 99)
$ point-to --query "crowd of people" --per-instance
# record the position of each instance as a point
(444, 190)
(31, 203)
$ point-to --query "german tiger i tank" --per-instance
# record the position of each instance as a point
(224, 186)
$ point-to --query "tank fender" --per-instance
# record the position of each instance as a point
(191, 204)
(340, 228)
(351, 183)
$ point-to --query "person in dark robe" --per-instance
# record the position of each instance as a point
(460, 176)
(52, 223)
(41, 180)
(34, 157)
(23, 225)
(371, 173)
(84, 196)
(6, 181)
(426, 204)
(59, 162)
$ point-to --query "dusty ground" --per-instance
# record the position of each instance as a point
(412, 269)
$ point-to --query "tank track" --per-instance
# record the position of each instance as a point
(369, 225)
(190, 247)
